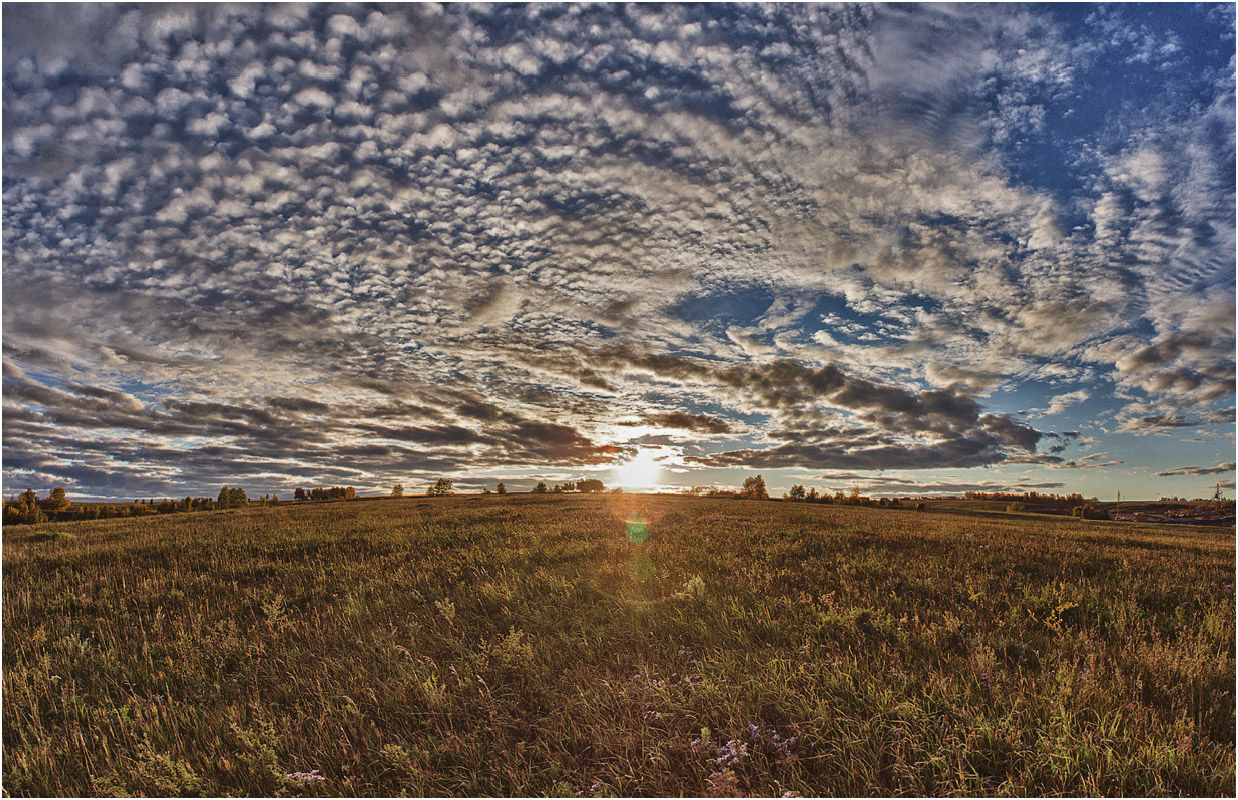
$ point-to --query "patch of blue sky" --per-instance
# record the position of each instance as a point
(739, 307)
(829, 312)
(1157, 67)
(1029, 398)
(655, 399)
(836, 315)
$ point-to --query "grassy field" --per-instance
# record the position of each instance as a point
(619, 644)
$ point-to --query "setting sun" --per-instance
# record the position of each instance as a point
(641, 472)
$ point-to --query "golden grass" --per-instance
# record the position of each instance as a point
(535, 645)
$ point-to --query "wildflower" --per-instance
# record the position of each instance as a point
(304, 780)
(732, 753)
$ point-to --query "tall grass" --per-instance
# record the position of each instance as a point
(573, 645)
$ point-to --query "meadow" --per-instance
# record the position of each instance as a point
(577, 645)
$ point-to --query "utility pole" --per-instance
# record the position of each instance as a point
(1119, 505)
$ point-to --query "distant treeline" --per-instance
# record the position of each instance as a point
(1058, 500)
(582, 485)
(754, 489)
(27, 508)
(319, 493)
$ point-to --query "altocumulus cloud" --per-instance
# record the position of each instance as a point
(282, 244)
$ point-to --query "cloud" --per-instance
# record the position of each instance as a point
(794, 389)
(1219, 469)
(699, 423)
(1159, 423)
(890, 221)
(951, 376)
(862, 452)
(905, 485)
(1064, 401)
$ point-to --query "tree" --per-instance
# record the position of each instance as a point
(56, 501)
(501, 489)
(397, 490)
(299, 494)
(589, 485)
(812, 495)
(540, 488)
(441, 488)
(754, 488)
(797, 493)
(24, 509)
(232, 498)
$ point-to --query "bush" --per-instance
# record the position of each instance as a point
(1090, 512)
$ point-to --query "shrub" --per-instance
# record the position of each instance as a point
(1090, 512)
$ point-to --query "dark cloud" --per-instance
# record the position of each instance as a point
(698, 423)
(1170, 421)
(862, 453)
(957, 433)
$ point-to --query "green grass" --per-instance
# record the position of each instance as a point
(528, 646)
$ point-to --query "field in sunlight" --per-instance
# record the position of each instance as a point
(618, 644)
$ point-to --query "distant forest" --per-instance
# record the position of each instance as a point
(27, 508)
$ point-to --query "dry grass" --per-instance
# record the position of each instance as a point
(534, 645)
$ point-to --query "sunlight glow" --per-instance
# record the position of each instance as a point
(641, 472)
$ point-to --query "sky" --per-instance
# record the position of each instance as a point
(910, 249)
